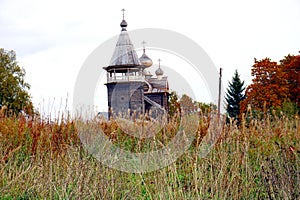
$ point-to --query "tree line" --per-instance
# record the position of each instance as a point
(275, 86)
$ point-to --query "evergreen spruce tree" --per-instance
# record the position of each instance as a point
(234, 95)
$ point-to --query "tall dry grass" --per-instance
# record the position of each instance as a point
(258, 160)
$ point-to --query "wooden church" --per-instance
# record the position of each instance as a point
(131, 88)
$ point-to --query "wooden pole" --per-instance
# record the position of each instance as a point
(219, 98)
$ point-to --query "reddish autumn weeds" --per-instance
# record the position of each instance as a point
(258, 159)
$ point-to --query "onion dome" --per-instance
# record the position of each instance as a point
(147, 73)
(144, 59)
(123, 24)
(159, 71)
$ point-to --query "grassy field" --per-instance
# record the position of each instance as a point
(260, 159)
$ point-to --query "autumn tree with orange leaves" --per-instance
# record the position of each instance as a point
(269, 86)
(273, 84)
(291, 68)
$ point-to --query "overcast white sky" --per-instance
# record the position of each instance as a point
(53, 38)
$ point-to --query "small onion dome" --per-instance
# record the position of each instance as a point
(123, 25)
(147, 73)
(145, 60)
(159, 72)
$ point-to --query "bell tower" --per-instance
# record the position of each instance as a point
(125, 78)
